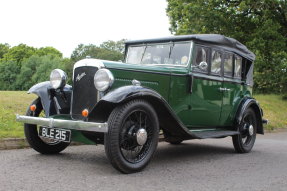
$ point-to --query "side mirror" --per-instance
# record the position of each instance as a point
(202, 65)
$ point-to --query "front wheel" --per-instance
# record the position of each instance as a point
(244, 141)
(132, 137)
(42, 145)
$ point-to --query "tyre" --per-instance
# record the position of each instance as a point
(132, 137)
(244, 141)
(41, 145)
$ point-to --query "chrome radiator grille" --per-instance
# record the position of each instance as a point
(84, 92)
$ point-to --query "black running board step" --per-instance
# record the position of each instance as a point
(214, 134)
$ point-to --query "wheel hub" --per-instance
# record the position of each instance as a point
(250, 130)
(141, 136)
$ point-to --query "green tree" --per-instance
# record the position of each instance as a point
(109, 50)
(46, 65)
(82, 51)
(4, 48)
(49, 51)
(19, 53)
(67, 65)
(8, 75)
(29, 68)
(23, 66)
(261, 25)
(37, 69)
(118, 46)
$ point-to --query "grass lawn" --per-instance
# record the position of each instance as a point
(275, 110)
(11, 103)
(16, 102)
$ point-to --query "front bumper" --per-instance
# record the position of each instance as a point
(66, 124)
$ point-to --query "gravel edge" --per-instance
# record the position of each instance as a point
(18, 143)
(21, 143)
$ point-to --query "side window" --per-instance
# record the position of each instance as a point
(216, 58)
(202, 55)
(228, 64)
(156, 54)
(135, 54)
(237, 66)
(180, 53)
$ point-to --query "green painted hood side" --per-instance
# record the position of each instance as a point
(156, 77)
(141, 67)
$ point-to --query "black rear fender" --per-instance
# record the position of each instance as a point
(250, 103)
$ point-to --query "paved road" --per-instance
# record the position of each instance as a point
(193, 165)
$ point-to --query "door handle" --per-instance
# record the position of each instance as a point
(223, 89)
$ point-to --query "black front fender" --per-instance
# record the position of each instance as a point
(126, 93)
(43, 90)
(169, 122)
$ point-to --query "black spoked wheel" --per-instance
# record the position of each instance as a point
(42, 145)
(244, 142)
(132, 137)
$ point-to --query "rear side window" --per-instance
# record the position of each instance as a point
(202, 55)
(228, 64)
(237, 66)
(216, 58)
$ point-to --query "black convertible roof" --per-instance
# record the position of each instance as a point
(228, 43)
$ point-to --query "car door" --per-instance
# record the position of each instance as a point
(206, 94)
(232, 87)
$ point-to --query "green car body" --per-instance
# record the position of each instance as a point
(197, 86)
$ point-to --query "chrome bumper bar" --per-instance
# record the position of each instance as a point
(66, 124)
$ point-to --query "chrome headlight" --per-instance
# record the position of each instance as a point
(58, 78)
(103, 79)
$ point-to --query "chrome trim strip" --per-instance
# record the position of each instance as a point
(207, 77)
(85, 62)
(89, 62)
(145, 71)
(65, 124)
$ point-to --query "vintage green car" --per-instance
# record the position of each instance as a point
(187, 87)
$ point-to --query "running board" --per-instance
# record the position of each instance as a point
(213, 133)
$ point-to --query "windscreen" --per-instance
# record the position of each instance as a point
(154, 54)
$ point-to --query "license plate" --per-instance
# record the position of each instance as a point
(55, 133)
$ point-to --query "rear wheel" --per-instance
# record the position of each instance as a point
(42, 145)
(244, 141)
(132, 137)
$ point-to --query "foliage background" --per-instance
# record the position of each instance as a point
(23, 66)
(261, 25)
